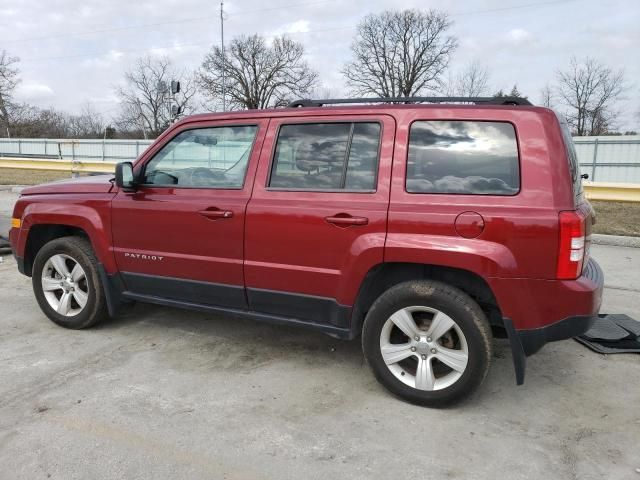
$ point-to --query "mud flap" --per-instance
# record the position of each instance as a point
(517, 351)
(112, 292)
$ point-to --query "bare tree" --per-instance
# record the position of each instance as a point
(144, 98)
(32, 122)
(8, 82)
(399, 54)
(588, 90)
(257, 75)
(471, 81)
(87, 124)
(546, 96)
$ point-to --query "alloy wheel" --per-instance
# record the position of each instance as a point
(424, 348)
(64, 284)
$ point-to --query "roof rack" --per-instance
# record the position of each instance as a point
(306, 102)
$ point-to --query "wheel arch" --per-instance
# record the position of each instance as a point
(42, 233)
(383, 276)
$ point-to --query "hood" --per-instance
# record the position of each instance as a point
(88, 184)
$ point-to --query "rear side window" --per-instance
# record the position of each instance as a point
(326, 156)
(572, 156)
(463, 157)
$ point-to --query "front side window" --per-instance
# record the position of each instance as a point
(467, 157)
(326, 156)
(214, 157)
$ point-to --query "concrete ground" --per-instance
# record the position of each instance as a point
(7, 199)
(165, 393)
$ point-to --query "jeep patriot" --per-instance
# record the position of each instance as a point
(425, 226)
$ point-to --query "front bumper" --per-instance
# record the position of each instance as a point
(20, 262)
(14, 234)
(525, 342)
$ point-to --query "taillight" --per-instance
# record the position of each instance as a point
(571, 246)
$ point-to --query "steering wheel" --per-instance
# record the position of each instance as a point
(204, 177)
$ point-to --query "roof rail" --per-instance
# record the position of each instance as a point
(306, 102)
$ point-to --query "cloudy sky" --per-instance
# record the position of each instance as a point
(76, 51)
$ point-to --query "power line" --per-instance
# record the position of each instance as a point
(345, 27)
(130, 50)
(248, 12)
(159, 24)
(514, 7)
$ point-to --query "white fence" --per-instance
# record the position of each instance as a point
(605, 159)
(111, 151)
(610, 159)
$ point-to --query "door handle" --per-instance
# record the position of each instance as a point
(347, 220)
(216, 214)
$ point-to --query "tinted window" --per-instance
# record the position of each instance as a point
(572, 156)
(326, 156)
(205, 157)
(463, 157)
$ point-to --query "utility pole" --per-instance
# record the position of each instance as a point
(224, 59)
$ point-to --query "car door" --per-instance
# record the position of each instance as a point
(179, 236)
(316, 221)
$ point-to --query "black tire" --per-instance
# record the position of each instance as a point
(461, 308)
(80, 250)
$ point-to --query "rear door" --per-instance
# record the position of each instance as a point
(317, 218)
(179, 236)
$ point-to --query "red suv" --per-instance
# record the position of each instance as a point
(425, 227)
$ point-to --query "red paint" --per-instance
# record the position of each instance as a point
(281, 240)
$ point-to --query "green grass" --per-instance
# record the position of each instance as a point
(617, 218)
(17, 176)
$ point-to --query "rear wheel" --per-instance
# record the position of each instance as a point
(427, 342)
(67, 284)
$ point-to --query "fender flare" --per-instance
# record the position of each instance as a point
(83, 217)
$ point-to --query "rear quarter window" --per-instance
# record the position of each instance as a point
(572, 157)
(463, 157)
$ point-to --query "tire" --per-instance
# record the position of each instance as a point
(84, 304)
(448, 325)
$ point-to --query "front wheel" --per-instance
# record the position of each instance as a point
(67, 285)
(427, 342)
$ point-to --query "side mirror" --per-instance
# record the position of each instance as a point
(124, 177)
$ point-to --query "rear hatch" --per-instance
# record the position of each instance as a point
(580, 202)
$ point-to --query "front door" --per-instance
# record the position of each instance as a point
(180, 235)
(317, 219)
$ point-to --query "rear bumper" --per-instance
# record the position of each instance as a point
(591, 297)
(536, 303)
(525, 342)
(534, 340)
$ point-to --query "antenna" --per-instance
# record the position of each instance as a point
(224, 59)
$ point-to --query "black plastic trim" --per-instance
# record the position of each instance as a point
(317, 313)
(315, 309)
(534, 339)
(527, 342)
(343, 333)
(113, 288)
(517, 352)
(20, 262)
(183, 290)
(307, 102)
